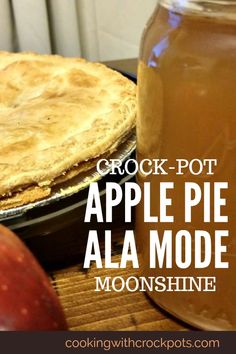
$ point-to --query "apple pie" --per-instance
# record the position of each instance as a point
(57, 115)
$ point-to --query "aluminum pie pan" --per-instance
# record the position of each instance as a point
(79, 183)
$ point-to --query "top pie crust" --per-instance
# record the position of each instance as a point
(55, 113)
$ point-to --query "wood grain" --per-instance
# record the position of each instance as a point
(87, 310)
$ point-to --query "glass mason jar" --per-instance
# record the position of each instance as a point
(187, 110)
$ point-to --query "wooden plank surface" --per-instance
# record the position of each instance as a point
(87, 310)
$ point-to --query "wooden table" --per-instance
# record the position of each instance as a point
(88, 310)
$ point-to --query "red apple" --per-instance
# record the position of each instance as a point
(27, 299)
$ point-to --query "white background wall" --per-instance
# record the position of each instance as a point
(95, 29)
(111, 29)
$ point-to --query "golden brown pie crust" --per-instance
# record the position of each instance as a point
(56, 113)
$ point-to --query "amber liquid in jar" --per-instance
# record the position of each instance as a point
(187, 110)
